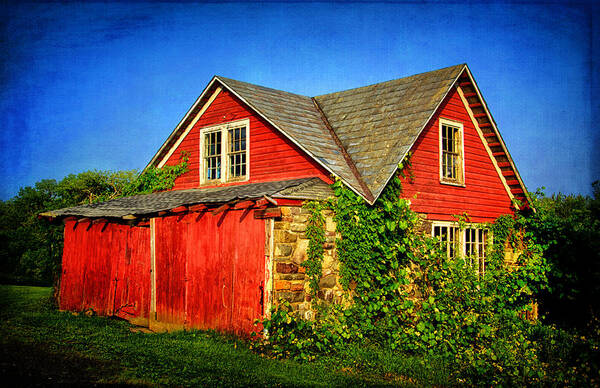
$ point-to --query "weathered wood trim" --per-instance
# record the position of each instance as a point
(499, 136)
(189, 127)
(487, 148)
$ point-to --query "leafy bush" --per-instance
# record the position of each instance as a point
(569, 228)
(409, 297)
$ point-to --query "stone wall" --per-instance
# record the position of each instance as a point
(290, 282)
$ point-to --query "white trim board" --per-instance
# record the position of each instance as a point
(189, 127)
(486, 146)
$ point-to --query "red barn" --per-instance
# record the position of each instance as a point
(228, 241)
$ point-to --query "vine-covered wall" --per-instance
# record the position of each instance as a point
(291, 282)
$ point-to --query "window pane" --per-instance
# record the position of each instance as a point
(212, 155)
(451, 157)
(237, 152)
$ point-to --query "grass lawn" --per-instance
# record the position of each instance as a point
(42, 346)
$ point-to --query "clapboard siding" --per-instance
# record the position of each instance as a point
(483, 198)
(272, 155)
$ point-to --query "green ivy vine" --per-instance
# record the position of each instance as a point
(315, 233)
(407, 295)
(158, 179)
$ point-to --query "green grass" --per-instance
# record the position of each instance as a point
(42, 346)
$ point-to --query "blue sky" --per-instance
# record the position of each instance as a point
(101, 85)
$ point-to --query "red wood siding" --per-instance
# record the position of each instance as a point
(484, 197)
(106, 268)
(272, 156)
(209, 270)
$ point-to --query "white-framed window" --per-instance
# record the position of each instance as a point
(452, 167)
(225, 152)
(470, 243)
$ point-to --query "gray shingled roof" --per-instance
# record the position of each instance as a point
(298, 118)
(305, 188)
(378, 124)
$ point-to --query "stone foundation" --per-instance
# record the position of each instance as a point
(290, 282)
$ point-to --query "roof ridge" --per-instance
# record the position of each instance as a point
(369, 195)
(391, 80)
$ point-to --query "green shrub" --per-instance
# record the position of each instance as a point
(407, 296)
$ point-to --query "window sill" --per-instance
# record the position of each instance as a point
(450, 183)
(218, 182)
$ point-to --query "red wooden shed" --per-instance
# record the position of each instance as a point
(228, 241)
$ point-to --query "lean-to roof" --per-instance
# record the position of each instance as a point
(150, 204)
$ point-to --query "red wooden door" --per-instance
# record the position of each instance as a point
(131, 281)
(170, 270)
(106, 268)
(209, 270)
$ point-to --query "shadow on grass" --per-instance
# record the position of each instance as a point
(36, 365)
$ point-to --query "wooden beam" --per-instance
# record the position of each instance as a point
(99, 220)
(270, 200)
(289, 202)
(221, 209)
(179, 209)
(267, 213)
(48, 214)
(261, 202)
(197, 208)
(243, 204)
(129, 217)
(84, 219)
(162, 213)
